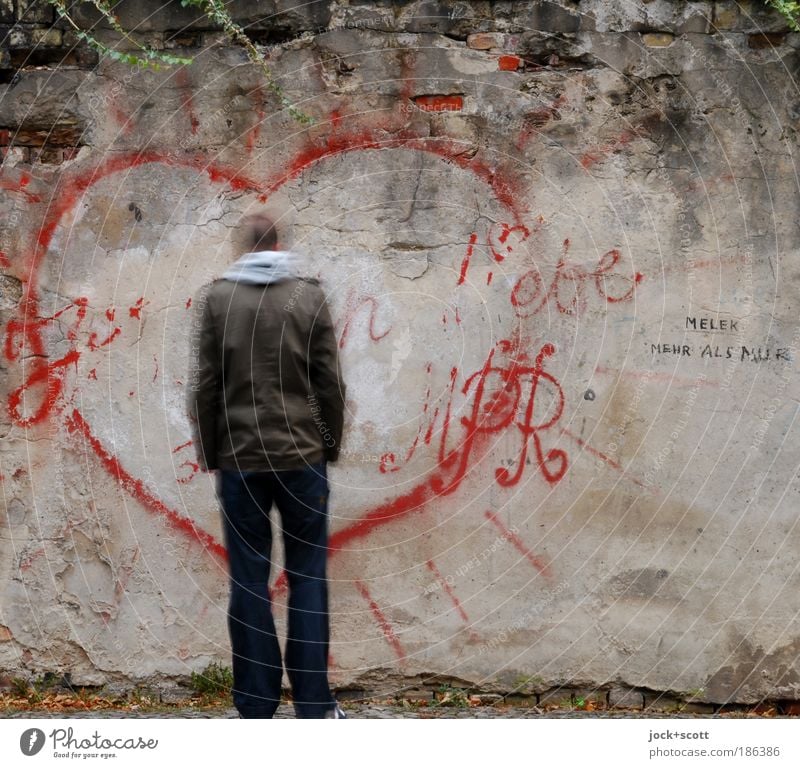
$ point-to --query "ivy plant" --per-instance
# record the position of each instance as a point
(143, 55)
(790, 10)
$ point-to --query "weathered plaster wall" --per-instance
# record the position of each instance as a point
(560, 245)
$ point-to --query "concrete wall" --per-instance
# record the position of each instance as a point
(560, 244)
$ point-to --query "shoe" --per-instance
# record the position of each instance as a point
(337, 713)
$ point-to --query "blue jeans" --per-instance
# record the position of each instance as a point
(301, 496)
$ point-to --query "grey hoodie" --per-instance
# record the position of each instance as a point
(264, 267)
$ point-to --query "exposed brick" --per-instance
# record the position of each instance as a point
(766, 40)
(556, 697)
(5, 137)
(58, 135)
(660, 702)
(184, 39)
(658, 39)
(440, 103)
(549, 16)
(483, 41)
(595, 695)
(509, 63)
(5, 634)
(47, 155)
(412, 694)
(765, 708)
(27, 37)
(696, 708)
(792, 708)
(625, 698)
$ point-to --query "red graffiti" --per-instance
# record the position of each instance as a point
(384, 134)
(20, 185)
(77, 425)
(187, 100)
(194, 467)
(500, 398)
(136, 309)
(600, 455)
(601, 152)
(523, 378)
(95, 344)
(568, 287)
(381, 620)
(125, 122)
(449, 590)
(535, 561)
(426, 429)
(499, 395)
(473, 238)
(350, 315)
(258, 106)
(503, 238)
(24, 341)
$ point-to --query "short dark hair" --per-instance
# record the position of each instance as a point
(262, 235)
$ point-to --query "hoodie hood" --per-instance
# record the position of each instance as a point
(263, 267)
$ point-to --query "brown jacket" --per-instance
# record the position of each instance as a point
(266, 391)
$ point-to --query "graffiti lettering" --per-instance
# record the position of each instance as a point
(568, 287)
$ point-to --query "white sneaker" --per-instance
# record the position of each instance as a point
(337, 713)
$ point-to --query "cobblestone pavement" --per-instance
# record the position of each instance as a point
(365, 711)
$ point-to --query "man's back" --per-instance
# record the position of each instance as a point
(270, 350)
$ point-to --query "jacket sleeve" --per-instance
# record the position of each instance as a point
(204, 387)
(326, 380)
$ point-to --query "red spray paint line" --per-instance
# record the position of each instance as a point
(606, 459)
(19, 186)
(187, 100)
(503, 187)
(449, 590)
(535, 561)
(473, 238)
(381, 619)
(76, 424)
(599, 153)
(71, 188)
(350, 316)
(125, 122)
(251, 139)
(411, 502)
(657, 377)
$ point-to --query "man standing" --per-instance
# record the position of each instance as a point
(267, 405)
